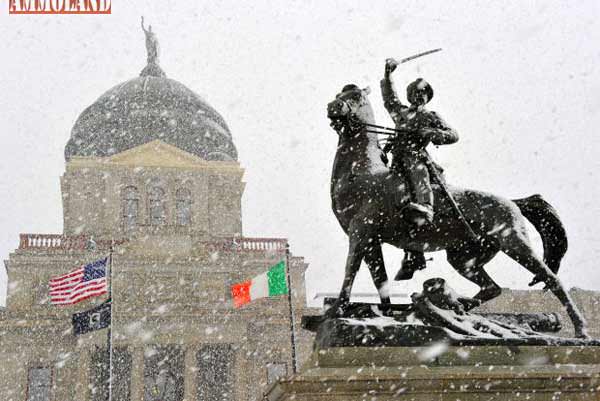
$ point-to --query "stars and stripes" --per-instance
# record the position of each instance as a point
(82, 283)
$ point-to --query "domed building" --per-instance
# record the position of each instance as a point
(151, 107)
(153, 124)
(152, 181)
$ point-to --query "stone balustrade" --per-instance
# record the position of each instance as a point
(247, 244)
(52, 242)
(59, 242)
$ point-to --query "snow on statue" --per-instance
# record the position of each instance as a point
(372, 204)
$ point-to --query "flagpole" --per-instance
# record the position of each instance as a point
(292, 320)
(110, 347)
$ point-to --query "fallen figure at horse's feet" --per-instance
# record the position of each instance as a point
(437, 313)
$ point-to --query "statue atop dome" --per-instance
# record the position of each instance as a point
(151, 44)
(149, 107)
(152, 49)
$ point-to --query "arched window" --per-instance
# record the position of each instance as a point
(131, 202)
(156, 202)
(183, 207)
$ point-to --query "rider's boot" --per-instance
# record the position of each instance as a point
(421, 207)
(413, 261)
(420, 212)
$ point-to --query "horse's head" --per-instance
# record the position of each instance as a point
(350, 110)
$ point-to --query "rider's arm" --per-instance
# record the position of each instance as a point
(441, 133)
(390, 99)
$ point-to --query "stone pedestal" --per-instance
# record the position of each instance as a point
(442, 372)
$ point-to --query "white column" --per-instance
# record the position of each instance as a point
(191, 373)
(137, 374)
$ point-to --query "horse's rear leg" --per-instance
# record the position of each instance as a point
(517, 247)
(469, 261)
(374, 260)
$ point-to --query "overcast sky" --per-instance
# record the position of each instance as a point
(519, 81)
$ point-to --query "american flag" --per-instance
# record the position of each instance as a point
(83, 283)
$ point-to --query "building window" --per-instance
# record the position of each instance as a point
(39, 384)
(163, 373)
(156, 202)
(215, 373)
(183, 207)
(276, 371)
(131, 203)
(121, 390)
(99, 374)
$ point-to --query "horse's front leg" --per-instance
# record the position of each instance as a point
(356, 251)
(374, 259)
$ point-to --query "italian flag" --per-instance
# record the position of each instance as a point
(267, 284)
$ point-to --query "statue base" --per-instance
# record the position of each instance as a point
(383, 331)
(442, 372)
(438, 314)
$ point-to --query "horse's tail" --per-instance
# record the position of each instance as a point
(546, 221)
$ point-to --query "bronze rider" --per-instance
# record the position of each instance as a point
(408, 150)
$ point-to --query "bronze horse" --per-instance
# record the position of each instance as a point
(366, 196)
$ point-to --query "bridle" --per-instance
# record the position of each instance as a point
(350, 124)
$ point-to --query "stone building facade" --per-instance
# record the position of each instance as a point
(151, 178)
(172, 315)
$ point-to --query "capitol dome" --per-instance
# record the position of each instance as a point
(148, 108)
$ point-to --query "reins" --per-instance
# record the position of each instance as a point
(381, 130)
(391, 131)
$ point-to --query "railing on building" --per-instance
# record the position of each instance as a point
(58, 242)
(48, 242)
(247, 244)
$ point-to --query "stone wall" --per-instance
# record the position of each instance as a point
(160, 302)
(93, 192)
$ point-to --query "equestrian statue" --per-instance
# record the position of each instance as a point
(410, 206)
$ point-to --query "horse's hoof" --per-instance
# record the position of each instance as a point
(469, 303)
(334, 311)
(488, 294)
(536, 280)
(386, 310)
(583, 334)
(404, 274)
(330, 313)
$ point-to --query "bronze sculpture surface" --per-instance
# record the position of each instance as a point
(365, 195)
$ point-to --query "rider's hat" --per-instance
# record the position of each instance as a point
(419, 85)
(350, 87)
